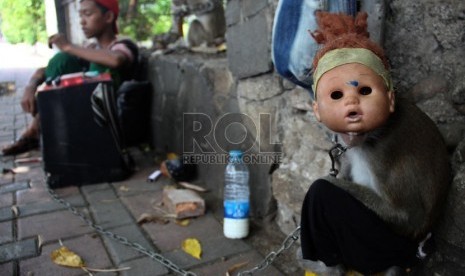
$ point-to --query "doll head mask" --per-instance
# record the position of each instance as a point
(349, 36)
(352, 86)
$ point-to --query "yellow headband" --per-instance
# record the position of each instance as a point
(343, 56)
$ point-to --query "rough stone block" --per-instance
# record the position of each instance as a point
(187, 85)
(249, 46)
(48, 206)
(6, 214)
(18, 250)
(183, 203)
(8, 268)
(6, 232)
(53, 226)
(233, 12)
(6, 200)
(144, 266)
(122, 253)
(13, 187)
(111, 214)
(251, 7)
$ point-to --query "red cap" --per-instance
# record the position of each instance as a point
(113, 6)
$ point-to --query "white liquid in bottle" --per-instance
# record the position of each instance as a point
(236, 228)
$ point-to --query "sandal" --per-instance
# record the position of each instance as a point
(24, 144)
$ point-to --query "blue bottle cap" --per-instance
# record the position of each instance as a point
(235, 153)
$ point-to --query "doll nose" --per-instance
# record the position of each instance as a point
(351, 99)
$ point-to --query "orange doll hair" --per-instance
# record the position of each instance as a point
(338, 30)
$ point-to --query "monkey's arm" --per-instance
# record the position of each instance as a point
(383, 208)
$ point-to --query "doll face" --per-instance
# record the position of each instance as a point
(352, 99)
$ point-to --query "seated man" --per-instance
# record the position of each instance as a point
(98, 20)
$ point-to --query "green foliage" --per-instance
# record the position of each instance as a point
(23, 20)
(152, 17)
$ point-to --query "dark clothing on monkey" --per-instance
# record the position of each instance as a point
(338, 229)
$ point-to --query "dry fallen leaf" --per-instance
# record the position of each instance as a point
(235, 267)
(145, 217)
(183, 222)
(124, 189)
(309, 273)
(65, 257)
(15, 210)
(192, 247)
(40, 241)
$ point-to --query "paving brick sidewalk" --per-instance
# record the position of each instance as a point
(32, 224)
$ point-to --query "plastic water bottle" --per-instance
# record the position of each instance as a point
(236, 197)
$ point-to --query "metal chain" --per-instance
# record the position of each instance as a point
(155, 256)
(334, 153)
(269, 259)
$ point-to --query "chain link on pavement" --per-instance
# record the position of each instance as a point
(269, 259)
(154, 256)
(287, 243)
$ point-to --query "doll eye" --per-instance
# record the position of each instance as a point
(365, 90)
(336, 95)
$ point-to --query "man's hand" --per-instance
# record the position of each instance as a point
(28, 99)
(60, 41)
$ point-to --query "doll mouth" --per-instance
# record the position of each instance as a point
(354, 117)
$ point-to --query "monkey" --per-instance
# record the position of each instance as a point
(391, 156)
(209, 25)
(197, 35)
(397, 162)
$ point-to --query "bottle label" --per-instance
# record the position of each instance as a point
(236, 209)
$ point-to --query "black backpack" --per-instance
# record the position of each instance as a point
(133, 100)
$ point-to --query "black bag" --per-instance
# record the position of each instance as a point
(81, 137)
(133, 101)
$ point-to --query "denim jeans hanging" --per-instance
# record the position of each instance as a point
(293, 48)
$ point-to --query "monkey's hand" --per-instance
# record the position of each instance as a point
(381, 206)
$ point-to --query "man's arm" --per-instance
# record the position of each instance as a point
(28, 99)
(108, 58)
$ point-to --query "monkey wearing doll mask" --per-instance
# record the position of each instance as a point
(390, 158)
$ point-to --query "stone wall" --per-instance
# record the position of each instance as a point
(203, 86)
(425, 41)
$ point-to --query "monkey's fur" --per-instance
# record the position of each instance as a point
(409, 165)
(207, 28)
(209, 25)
